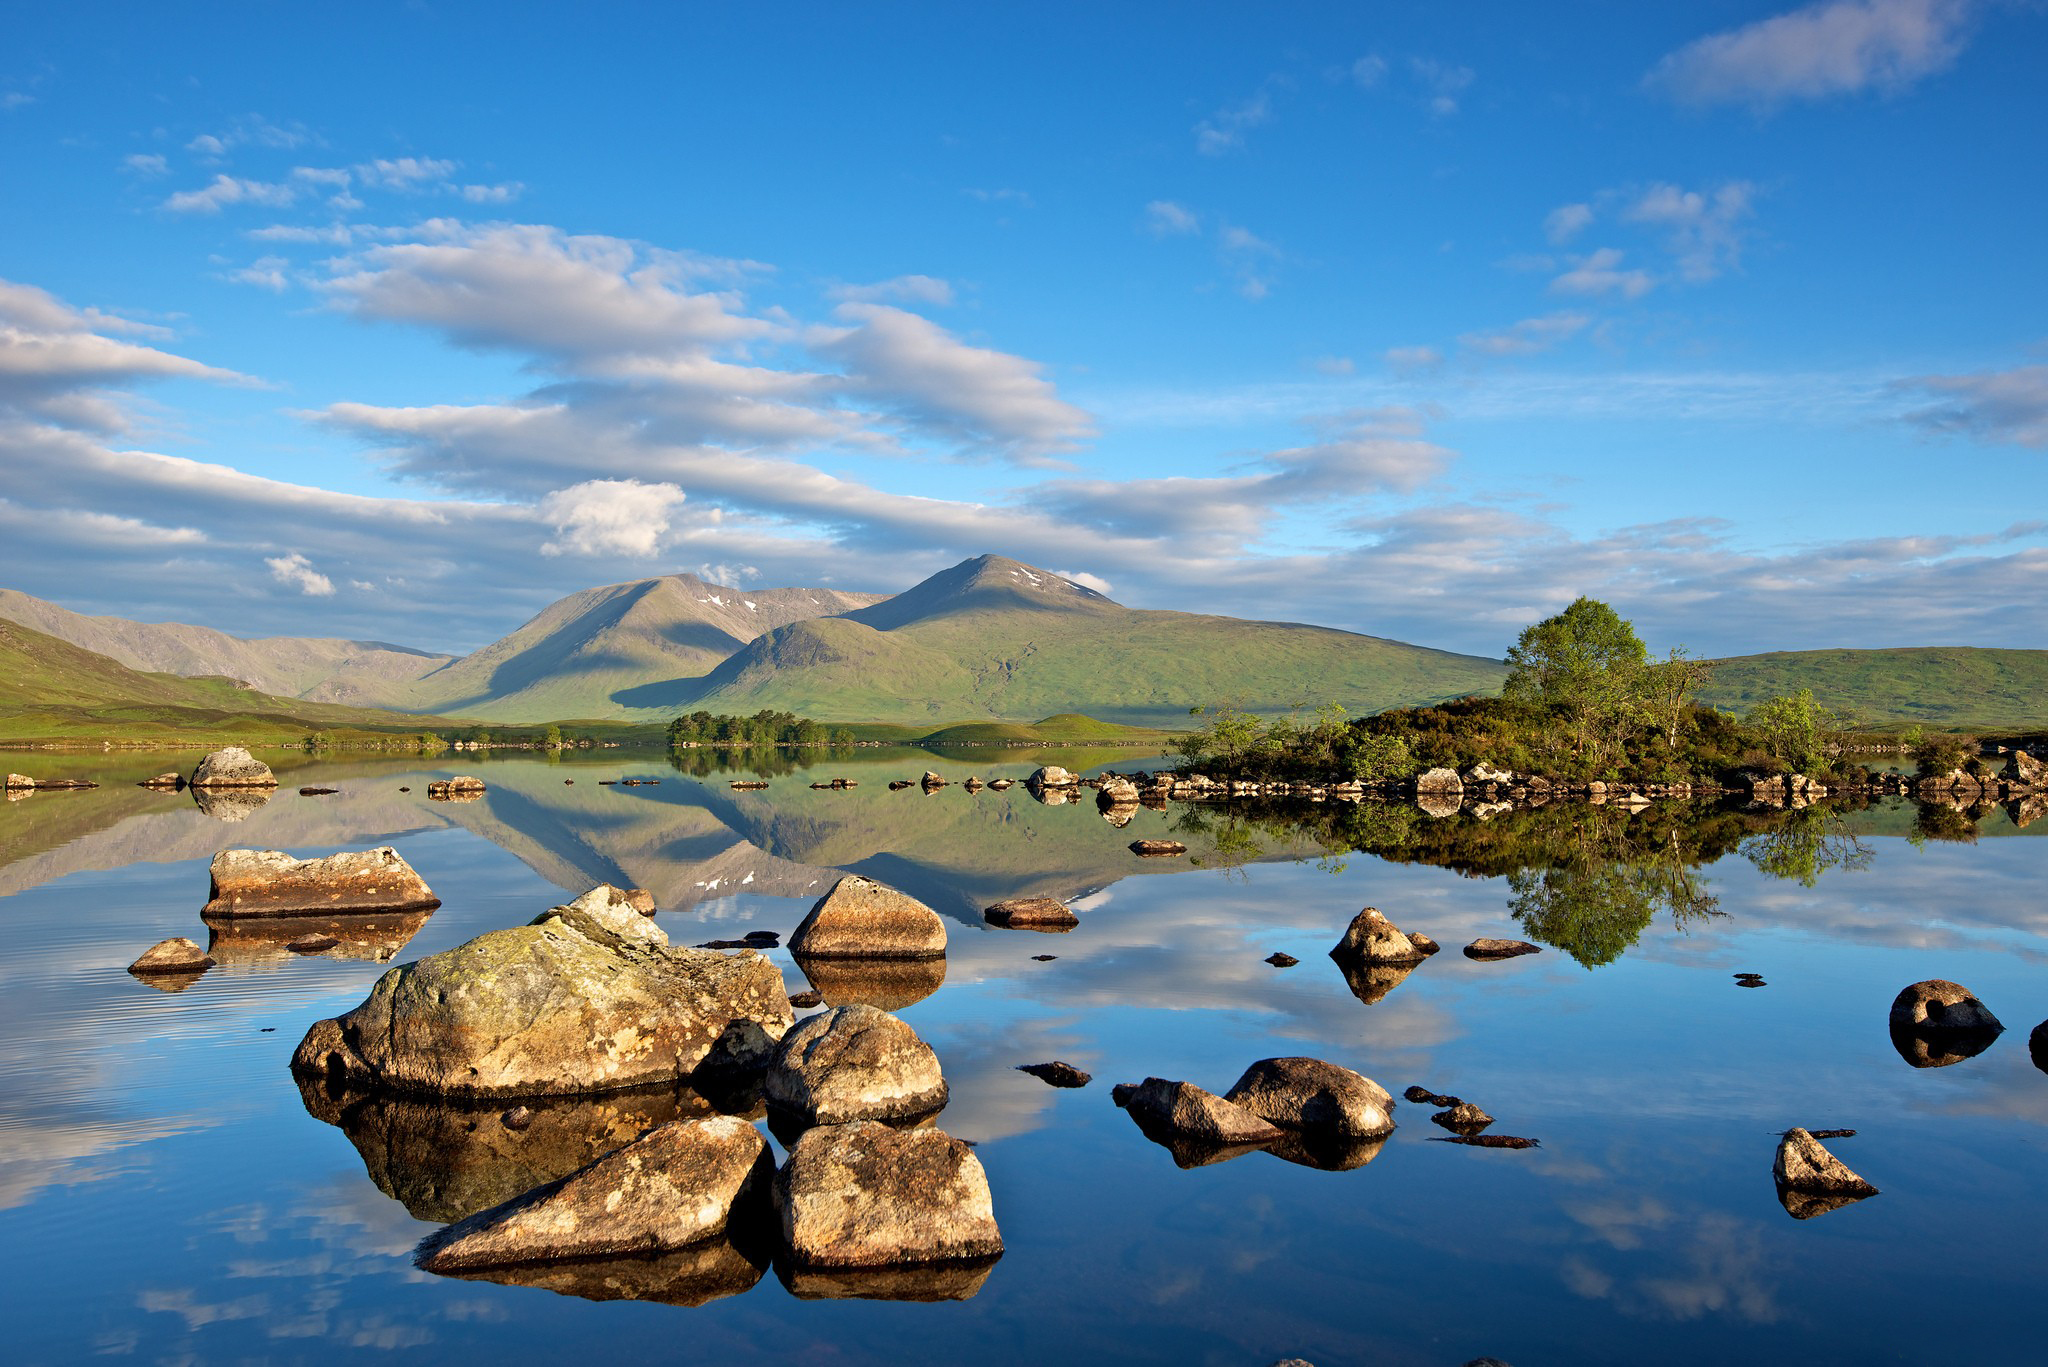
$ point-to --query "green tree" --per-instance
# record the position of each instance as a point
(552, 737)
(1588, 664)
(1794, 730)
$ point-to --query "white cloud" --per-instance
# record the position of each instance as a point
(1250, 257)
(15, 99)
(266, 272)
(1334, 365)
(1224, 130)
(225, 190)
(1704, 231)
(909, 289)
(1600, 273)
(1369, 70)
(1527, 337)
(504, 192)
(294, 571)
(1443, 83)
(1164, 218)
(609, 517)
(1566, 222)
(56, 365)
(250, 130)
(404, 173)
(1088, 581)
(2004, 406)
(1409, 360)
(1837, 47)
(1021, 198)
(146, 164)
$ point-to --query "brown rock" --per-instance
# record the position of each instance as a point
(1811, 1181)
(890, 984)
(867, 1195)
(175, 955)
(1940, 1005)
(1463, 1118)
(1184, 1111)
(674, 1186)
(1308, 1094)
(641, 900)
(1372, 938)
(1488, 950)
(232, 767)
(1057, 1074)
(1031, 913)
(318, 943)
(853, 1063)
(272, 883)
(863, 919)
(1157, 849)
(461, 788)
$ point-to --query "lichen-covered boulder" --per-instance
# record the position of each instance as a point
(232, 767)
(1371, 938)
(1312, 1096)
(1940, 1005)
(863, 919)
(1052, 776)
(1184, 1111)
(1116, 792)
(674, 1186)
(461, 788)
(853, 1063)
(1811, 1181)
(273, 883)
(565, 1006)
(867, 1195)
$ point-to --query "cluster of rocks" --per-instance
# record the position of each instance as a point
(1304, 1110)
(365, 903)
(22, 783)
(461, 788)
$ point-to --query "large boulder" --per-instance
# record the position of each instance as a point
(461, 788)
(1940, 1005)
(565, 1006)
(1116, 792)
(1052, 776)
(2022, 770)
(1309, 1095)
(19, 783)
(1811, 1181)
(232, 767)
(867, 1195)
(272, 883)
(853, 1063)
(674, 1186)
(1371, 938)
(1181, 1110)
(862, 919)
(1439, 781)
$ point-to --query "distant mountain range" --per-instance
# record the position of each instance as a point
(989, 640)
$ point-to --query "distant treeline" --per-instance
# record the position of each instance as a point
(766, 727)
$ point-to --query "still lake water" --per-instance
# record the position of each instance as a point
(166, 1194)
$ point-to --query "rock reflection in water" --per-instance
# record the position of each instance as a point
(1370, 982)
(954, 1281)
(890, 984)
(1805, 1205)
(444, 1162)
(696, 1275)
(170, 982)
(1940, 1048)
(1327, 1153)
(371, 937)
(230, 804)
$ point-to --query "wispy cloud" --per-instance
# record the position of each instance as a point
(1704, 230)
(908, 289)
(1838, 47)
(1601, 273)
(2003, 405)
(1528, 337)
(1224, 131)
(1165, 218)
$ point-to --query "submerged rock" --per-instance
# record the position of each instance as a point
(1372, 938)
(1031, 913)
(589, 998)
(273, 883)
(1488, 950)
(1182, 1110)
(1057, 1074)
(1811, 1181)
(866, 1195)
(863, 919)
(1308, 1094)
(166, 781)
(1280, 959)
(674, 1186)
(853, 1063)
(232, 767)
(175, 955)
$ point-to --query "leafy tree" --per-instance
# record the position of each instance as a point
(1668, 688)
(552, 737)
(1588, 664)
(1794, 730)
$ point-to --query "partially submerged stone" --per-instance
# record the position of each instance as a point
(674, 1186)
(853, 1063)
(1057, 1074)
(171, 781)
(1811, 1181)
(175, 955)
(867, 1195)
(863, 919)
(1462, 1118)
(1308, 1094)
(1184, 1111)
(1938, 1004)
(1052, 776)
(273, 883)
(232, 767)
(561, 1007)
(1488, 950)
(461, 788)
(1157, 849)
(1031, 913)
(1372, 938)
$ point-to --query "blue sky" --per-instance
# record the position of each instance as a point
(1416, 320)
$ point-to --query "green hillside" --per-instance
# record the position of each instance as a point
(52, 690)
(995, 639)
(1066, 729)
(1944, 687)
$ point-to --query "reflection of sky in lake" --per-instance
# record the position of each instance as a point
(163, 1192)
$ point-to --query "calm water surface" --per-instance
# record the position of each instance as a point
(166, 1192)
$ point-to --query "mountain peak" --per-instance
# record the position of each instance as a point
(985, 583)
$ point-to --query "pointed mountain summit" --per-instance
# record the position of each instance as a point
(996, 639)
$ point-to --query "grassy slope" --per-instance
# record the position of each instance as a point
(1136, 668)
(1939, 686)
(52, 690)
(1066, 728)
